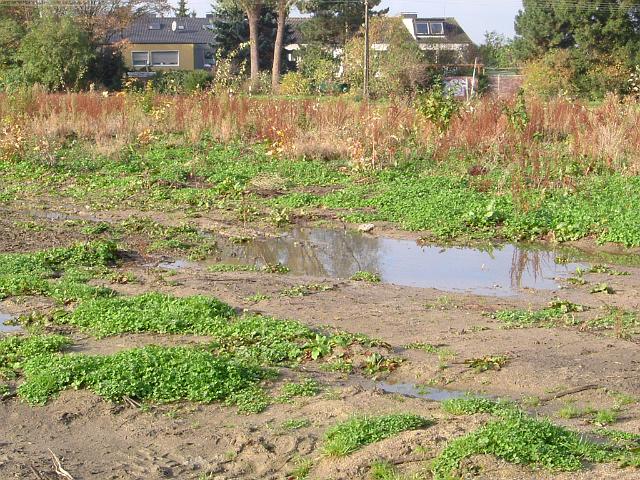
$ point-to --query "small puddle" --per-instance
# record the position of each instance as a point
(427, 393)
(56, 216)
(5, 323)
(175, 265)
(500, 271)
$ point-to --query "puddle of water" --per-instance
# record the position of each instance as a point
(5, 318)
(175, 265)
(55, 216)
(427, 393)
(501, 271)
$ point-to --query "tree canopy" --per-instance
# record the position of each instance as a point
(55, 53)
(334, 23)
(609, 27)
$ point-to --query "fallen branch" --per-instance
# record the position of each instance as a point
(570, 391)
(131, 402)
(38, 475)
(58, 467)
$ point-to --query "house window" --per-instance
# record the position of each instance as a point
(422, 28)
(165, 59)
(140, 59)
(436, 28)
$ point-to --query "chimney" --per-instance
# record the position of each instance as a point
(409, 15)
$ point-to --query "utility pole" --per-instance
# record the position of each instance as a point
(365, 83)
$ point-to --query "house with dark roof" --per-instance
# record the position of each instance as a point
(179, 43)
(433, 34)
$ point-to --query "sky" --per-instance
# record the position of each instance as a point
(475, 16)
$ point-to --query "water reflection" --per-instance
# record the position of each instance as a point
(5, 325)
(502, 270)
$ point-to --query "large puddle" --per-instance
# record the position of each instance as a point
(501, 270)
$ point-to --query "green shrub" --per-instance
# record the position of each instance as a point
(56, 53)
(438, 106)
(549, 76)
(295, 84)
(196, 81)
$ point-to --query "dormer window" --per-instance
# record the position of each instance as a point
(436, 28)
(422, 28)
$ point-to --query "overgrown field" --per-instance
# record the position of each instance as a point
(138, 340)
(564, 171)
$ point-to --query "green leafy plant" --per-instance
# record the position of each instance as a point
(303, 290)
(232, 267)
(438, 106)
(158, 374)
(15, 350)
(489, 362)
(364, 276)
(471, 405)
(520, 439)
(348, 436)
(295, 424)
(557, 310)
(306, 388)
(603, 288)
(151, 312)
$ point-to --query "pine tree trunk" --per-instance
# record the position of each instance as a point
(277, 48)
(253, 15)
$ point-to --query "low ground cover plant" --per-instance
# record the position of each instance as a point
(15, 350)
(549, 316)
(153, 373)
(35, 273)
(348, 436)
(519, 438)
(151, 312)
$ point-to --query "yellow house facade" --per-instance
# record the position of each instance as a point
(160, 44)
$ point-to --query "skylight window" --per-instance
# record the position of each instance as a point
(422, 28)
(436, 28)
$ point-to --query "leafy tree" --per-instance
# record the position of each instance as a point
(398, 70)
(604, 27)
(182, 10)
(600, 41)
(497, 51)
(231, 30)
(11, 32)
(334, 22)
(55, 53)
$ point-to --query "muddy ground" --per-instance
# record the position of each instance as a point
(98, 439)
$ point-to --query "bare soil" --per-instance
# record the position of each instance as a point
(98, 439)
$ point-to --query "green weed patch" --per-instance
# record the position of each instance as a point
(14, 350)
(151, 312)
(549, 316)
(157, 374)
(255, 338)
(348, 436)
(519, 438)
(32, 273)
(471, 405)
